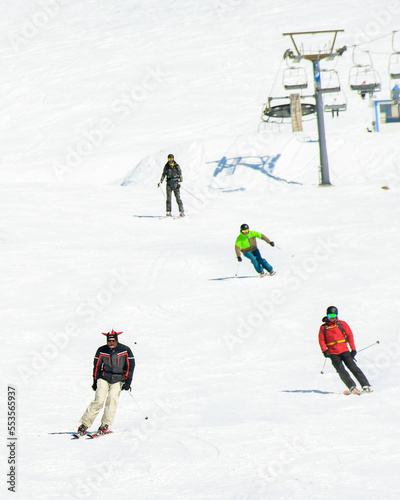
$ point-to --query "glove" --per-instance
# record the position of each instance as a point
(94, 386)
(326, 354)
(159, 184)
(272, 244)
(239, 259)
(353, 354)
(126, 386)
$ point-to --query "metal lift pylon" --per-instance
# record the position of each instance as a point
(315, 56)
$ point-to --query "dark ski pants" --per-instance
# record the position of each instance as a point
(174, 186)
(258, 262)
(347, 359)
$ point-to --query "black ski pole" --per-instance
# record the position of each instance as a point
(237, 269)
(162, 192)
(191, 194)
(137, 404)
(279, 248)
(368, 346)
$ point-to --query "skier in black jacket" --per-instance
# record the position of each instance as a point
(172, 171)
(113, 367)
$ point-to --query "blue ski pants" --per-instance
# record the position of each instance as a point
(258, 262)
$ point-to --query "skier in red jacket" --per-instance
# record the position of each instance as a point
(334, 335)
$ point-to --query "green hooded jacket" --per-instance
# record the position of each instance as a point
(248, 243)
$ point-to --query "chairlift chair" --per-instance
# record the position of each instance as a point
(394, 66)
(394, 59)
(364, 79)
(294, 78)
(335, 102)
(329, 81)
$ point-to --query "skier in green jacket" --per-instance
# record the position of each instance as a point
(246, 244)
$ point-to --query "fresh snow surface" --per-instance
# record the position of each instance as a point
(94, 95)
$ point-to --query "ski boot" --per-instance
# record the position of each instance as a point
(82, 430)
(102, 429)
(352, 390)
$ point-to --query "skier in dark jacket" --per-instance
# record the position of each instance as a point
(172, 171)
(334, 335)
(113, 367)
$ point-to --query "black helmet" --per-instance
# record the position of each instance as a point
(113, 335)
(244, 227)
(332, 310)
(171, 156)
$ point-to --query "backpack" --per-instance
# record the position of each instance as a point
(336, 341)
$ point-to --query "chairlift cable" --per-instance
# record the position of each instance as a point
(276, 77)
(371, 41)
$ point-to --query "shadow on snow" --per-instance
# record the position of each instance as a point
(263, 164)
(309, 391)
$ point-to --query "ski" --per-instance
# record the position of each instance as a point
(159, 216)
(172, 217)
(96, 434)
(354, 391)
(147, 216)
(242, 277)
(76, 435)
(272, 273)
(232, 278)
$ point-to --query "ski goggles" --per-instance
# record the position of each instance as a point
(332, 316)
(245, 231)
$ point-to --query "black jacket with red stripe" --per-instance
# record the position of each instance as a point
(114, 365)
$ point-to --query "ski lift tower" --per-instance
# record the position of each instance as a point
(325, 51)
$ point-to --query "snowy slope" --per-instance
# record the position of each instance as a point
(95, 94)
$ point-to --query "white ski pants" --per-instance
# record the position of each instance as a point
(104, 389)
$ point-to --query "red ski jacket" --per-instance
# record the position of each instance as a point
(331, 337)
